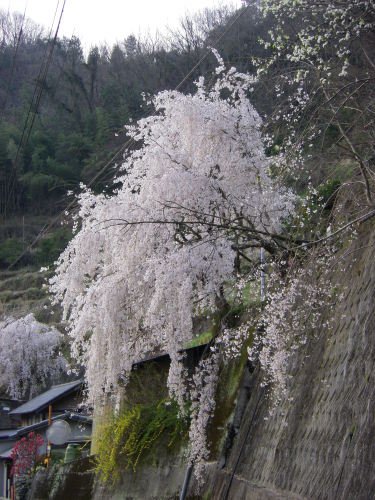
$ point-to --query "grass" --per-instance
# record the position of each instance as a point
(22, 292)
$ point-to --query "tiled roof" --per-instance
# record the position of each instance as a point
(43, 400)
(6, 453)
(16, 433)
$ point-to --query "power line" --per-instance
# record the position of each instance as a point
(35, 101)
(38, 80)
(26, 123)
(124, 147)
(44, 77)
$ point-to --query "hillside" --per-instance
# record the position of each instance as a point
(202, 206)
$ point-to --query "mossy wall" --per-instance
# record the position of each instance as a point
(74, 480)
(320, 444)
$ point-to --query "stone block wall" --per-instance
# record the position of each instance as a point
(321, 445)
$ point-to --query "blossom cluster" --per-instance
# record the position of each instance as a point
(29, 355)
(319, 57)
(202, 398)
(319, 24)
(294, 313)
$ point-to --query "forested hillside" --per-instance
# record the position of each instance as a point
(63, 112)
(50, 144)
(86, 99)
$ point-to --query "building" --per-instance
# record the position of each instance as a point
(65, 401)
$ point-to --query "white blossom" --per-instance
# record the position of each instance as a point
(147, 260)
(29, 356)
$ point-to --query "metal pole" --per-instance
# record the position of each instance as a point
(186, 482)
(262, 276)
(49, 442)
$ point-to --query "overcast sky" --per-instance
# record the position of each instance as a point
(96, 21)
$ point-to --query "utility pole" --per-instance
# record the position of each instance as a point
(49, 442)
(262, 276)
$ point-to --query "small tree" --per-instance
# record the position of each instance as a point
(29, 355)
(320, 58)
(26, 454)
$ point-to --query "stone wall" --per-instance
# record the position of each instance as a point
(163, 481)
(322, 444)
(71, 481)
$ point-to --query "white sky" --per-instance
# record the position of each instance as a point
(96, 21)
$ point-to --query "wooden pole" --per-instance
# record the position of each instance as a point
(48, 442)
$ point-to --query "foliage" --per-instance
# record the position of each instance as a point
(93, 96)
(25, 454)
(50, 246)
(9, 249)
(319, 55)
(29, 355)
(135, 434)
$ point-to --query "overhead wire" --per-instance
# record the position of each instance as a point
(35, 101)
(44, 76)
(124, 147)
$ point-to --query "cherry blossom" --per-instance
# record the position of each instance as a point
(147, 260)
(29, 356)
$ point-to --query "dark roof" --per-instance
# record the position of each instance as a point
(16, 433)
(150, 357)
(6, 432)
(43, 400)
(6, 454)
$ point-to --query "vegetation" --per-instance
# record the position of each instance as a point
(138, 434)
(94, 96)
(209, 180)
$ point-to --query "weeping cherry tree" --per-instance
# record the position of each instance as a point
(196, 197)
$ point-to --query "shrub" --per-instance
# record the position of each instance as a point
(51, 246)
(9, 250)
(134, 434)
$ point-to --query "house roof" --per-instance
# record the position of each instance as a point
(150, 357)
(6, 432)
(16, 433)
(40, 402)
(6, 454)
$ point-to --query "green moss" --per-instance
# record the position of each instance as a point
(147, 384)
(230, 377)
(202, 339)
(250, 294)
